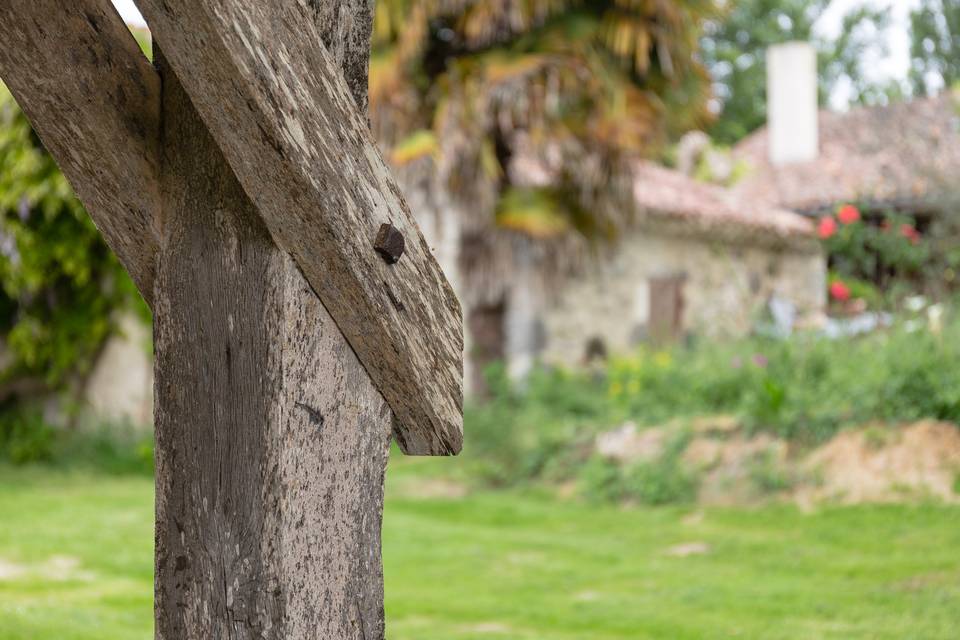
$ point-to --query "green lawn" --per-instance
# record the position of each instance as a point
(75, 562)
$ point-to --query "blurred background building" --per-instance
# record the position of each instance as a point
(592, 177)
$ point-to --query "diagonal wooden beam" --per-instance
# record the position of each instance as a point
(346, 27)
(284, 118)
(94, 99)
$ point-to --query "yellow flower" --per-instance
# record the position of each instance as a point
(663, 359)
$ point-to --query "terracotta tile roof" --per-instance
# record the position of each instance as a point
(667, 198)
(904, 155)
(663, 194)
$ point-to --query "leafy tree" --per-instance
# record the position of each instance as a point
(734, 49)
(935, 45)
(59, 283)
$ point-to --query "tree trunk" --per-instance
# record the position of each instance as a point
(271, 439)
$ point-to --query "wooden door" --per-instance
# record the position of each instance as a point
(666, 308)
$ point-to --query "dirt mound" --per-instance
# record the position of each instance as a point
(628, 444)
(736, 468)
(871, 464)
(883, 464)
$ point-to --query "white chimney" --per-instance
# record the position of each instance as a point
(792, 103)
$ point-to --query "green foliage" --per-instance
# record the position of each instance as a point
(811, 387)
(804, 389)
(59, 283)
(25, 438)
(664, 480)
(601, 480)
(661, 481)
(885, 258)
(117, 449)
(878, 253)
(535, 432)
(734, 49)
(934, 48)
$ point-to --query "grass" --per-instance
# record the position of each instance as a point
(519, 566)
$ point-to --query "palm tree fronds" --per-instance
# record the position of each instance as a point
(537, 212)
(419, 144)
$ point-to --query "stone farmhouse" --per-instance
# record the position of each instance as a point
(695, 259)
(698, 261)
(705, 260)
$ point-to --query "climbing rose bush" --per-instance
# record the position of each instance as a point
(873, 258)
(839, 291)
(848, 214)
(882, 257)
(910, 232)
(827, 227)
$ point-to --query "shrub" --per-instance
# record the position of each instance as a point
(117, 448)
(25, 438)
(804, 389)
(602, 480)
(521, 433)
(767, 475)
(664, 480)
(883, 256)
(59, 283)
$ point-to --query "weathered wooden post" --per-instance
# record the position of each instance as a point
(238, 184)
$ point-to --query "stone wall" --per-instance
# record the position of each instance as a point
(725, 284)
(119, 389)
(724, 288)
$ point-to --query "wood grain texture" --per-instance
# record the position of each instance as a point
(346, 27)
(289, 127)
(94, 99)
(271, 439)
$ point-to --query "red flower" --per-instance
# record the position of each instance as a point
(848, 214)
(839, 291)
(827, 227)
(909, 232)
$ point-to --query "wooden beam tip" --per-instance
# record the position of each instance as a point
(444, 441)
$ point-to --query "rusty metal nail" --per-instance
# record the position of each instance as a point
(389, 243)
